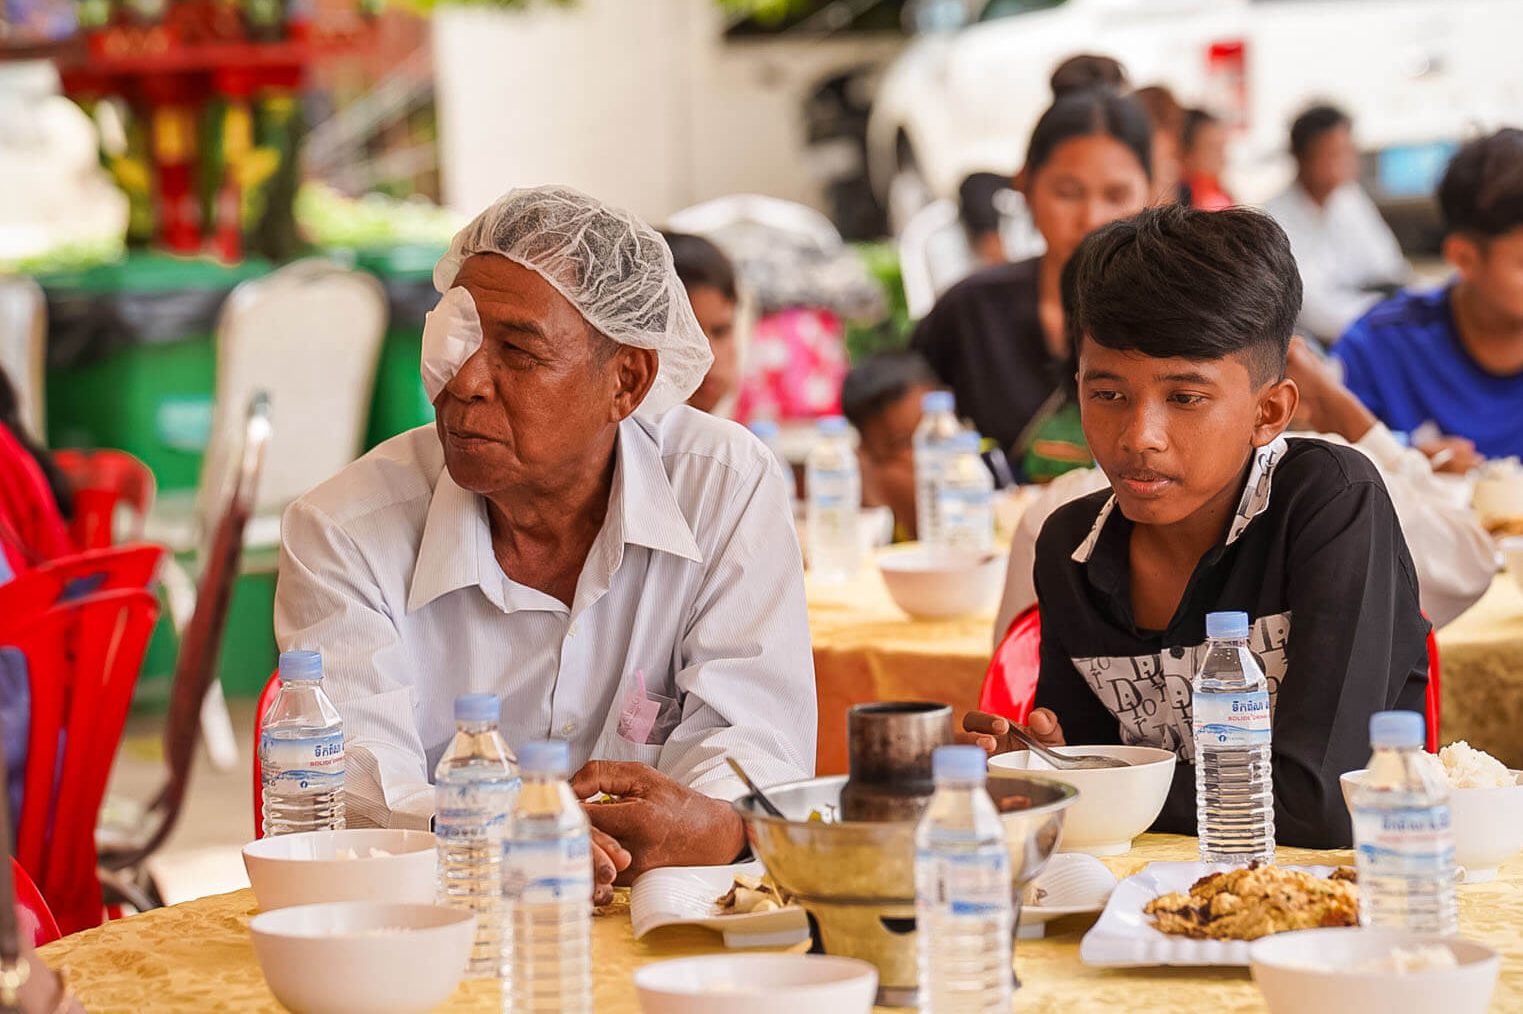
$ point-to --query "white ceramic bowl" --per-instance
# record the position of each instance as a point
(360, 957)
(1115, 804)
(305, 869)
(1488, 825)
(942, 585)
(1298, 974)
(757, 984)
(1512, 555)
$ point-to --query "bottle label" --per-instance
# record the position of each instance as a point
(462, 809)
(1404, 841)
(539, 872)
(302, 766)
(1231, 720)
(973, 884)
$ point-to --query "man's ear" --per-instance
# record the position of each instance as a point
(1277, 407)
(634, 372)
(1463, 252)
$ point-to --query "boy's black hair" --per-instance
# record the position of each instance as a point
(1312, 124)
(1195, 119)
(1096, 111)
(700, 263)
(1175, 282)
(877, 383)
(1084, 71)
(1481, 193)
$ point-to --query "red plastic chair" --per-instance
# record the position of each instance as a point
(35, 591)
(44, 927)
(83, 656)
(266, 697)
(1010, 682)
(1009, 688)
(101, 480)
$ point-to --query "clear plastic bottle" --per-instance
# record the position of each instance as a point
(964, 907)
(547, 885)
(965, 497)
(1403, 844)
(475, 787)
(301, 751)
(938, 427)
(834, 487)
(1234, 795)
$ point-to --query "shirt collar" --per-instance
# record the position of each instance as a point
(456, 549)
(1253, 502)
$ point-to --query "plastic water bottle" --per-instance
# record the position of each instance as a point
(964, 907)
(1403, 844)
(834, 487)
(933, 437)
(965, 497)
(301, 751)
(475, 787)
(547, 884)
(1234, 797)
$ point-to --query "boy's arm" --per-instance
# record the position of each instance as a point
(1358, 645)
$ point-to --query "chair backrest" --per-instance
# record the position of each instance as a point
(103, 481)
(1010, 683)
(23, 346)
(201, 642)
(83, 657)
(35, 591)
(266, 697)
(309, 336)
(30, 900)
(1433, 701)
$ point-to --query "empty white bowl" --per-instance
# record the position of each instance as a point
(757, 984)
(1115, 804)
(1487, 823)
(1512, 555)
(305, 869)
(359, 957)
(1307, 973)
(941, 585)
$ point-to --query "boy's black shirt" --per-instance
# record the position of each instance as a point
(1316, 558)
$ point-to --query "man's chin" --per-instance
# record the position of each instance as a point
(1159, 510)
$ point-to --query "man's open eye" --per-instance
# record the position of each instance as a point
(1187, 398)
(1104, 394)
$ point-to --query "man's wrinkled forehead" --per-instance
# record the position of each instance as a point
(514, 298)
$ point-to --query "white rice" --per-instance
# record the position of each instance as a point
(1469, 768)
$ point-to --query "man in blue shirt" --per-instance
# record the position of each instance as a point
(1454, 357)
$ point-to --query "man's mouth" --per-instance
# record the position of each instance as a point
(467, 438)
(1144, 482)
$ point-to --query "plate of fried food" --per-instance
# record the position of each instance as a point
(741, 902)
(1199, 914)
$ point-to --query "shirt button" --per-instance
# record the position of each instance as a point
(568, 728)
(571, 630)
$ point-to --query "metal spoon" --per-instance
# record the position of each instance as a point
(1064, 762)
(761, 797)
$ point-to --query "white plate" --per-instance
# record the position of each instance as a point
(687, 896)
(1124, 937)
(1076, 884)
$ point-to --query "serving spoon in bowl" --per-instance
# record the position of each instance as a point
(1065, 762)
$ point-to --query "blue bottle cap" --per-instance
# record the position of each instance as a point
(545, 757)
(964, 763)
(1396, 728)
(300, 665)
(1233, 625)
(477, 708)
(832, 426)
(937, 401)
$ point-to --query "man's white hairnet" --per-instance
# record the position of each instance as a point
(616, 270)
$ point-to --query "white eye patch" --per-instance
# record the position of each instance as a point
(451, 335)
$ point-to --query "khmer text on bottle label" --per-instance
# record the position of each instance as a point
(1231, 720)
(1404, 842)
(545, 872)
(315, 764)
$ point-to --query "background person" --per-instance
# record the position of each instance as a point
(709, 278)
(881, 398)
(1203, 153)
(1168, 118)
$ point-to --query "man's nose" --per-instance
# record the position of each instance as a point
(473, 380)
(1145, 430)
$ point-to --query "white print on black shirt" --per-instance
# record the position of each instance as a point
(1150, 694)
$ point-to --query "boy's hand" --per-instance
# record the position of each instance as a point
(1455, 455)
(991, 733)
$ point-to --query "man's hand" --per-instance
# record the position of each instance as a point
(1326, 405)
(1455, 455)
(659, 822)
(609, 859)
(991, 733)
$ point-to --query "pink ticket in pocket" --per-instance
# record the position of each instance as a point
(638, 714)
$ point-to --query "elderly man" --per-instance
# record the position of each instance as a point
(621, 570)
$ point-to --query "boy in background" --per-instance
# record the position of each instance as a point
(881, 399)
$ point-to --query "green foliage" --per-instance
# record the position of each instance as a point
(892, 333)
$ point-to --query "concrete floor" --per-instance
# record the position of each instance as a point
(202, 855)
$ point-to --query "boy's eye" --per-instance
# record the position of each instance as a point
(1105, 395)
(1186, 398)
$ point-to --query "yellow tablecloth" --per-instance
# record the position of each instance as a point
(866, 649)
(1481, 659)
(197, 957)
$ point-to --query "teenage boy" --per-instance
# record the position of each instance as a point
(1454, 357)
(881, 399)
(1182, 320)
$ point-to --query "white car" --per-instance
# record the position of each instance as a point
(1417, 76)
